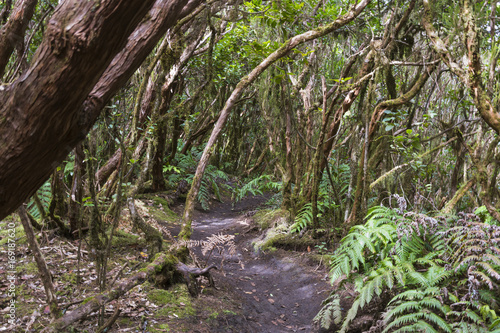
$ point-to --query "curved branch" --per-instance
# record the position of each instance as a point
(12, 33)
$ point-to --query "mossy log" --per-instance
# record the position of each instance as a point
(153, 236)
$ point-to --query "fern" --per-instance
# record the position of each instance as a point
(417, 308)
(330, 313)
(376, 237)
(45, 195)
(446, 278)
(257, 186)
(303, 218)
(204, 194)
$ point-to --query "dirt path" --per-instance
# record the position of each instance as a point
(277, 292)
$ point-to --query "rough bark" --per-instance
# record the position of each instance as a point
(238, 91)
(12, 33)
(41, 113)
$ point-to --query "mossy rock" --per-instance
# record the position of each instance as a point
(6, 232)
(157, 206)
(285, 241)
(269, 218)
(123, 239)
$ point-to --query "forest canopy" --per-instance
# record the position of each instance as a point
(342, 111)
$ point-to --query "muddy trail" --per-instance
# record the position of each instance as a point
(280, 291)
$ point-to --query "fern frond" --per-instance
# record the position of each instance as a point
(330, 312)
(303, 218)
(419, 326)
(489, 269)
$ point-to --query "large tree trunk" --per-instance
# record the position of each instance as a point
(41, 113)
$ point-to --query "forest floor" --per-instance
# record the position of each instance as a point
(275, 290)
(279, 291)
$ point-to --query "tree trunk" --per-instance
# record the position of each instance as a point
(41, 113)
(11, 34)
(75, 200)
(45, 275)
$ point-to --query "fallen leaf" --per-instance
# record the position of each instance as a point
(271, 300)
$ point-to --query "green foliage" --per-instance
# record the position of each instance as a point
(257, 186)
(303, 218)
(373, 239)
(444, 279)
(330, 313)
(211, 182)
(414, 310)
(45, 195)
(485, 216)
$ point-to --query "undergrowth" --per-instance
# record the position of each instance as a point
(212, 183)
(431, 274)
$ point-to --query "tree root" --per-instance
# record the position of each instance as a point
(191, 274)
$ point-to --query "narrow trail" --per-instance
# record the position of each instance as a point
(280, 291)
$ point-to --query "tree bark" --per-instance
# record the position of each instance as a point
(41, 113)
(12, 33)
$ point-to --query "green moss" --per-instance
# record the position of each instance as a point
(5, 234)
(160, 328)
(158, 208)
(269, 218)
(88, 299)
(175, 302)
(164, 213)
(278, 239)
(69, 278)
(229, 312)
(31, 268)
(213, 315)
(123, 239)
(125, 321)
(160, 201)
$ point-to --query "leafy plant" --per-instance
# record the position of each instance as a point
(44, 194)
(444, 279)
(257, 186)
(304, 217)
(210, 183)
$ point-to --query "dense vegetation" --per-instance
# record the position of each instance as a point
(374, 123)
